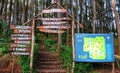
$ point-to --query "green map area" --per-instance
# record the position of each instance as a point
(95, 47)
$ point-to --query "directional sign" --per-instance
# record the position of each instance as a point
(94, 48)
(51, 31)
(20, 27)
(20, 53)
(21, 35)
(57, 27)
(54, 23)
(53, 19)
(19, 49)
(54, 10)
(22, 31)
(22, 42)
(21, 38)
(19, 45)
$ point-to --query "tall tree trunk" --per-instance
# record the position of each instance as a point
(116, 20)
(23, 19)
(2, 7)
(77, 9)
(10, 11)
(93, 15)
(59, 34)
(81, 13)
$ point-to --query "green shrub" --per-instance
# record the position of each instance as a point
(50, 45)
(66, 57)
(24, 61)
(4, 48)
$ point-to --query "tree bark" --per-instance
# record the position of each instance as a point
(116, 21)
(93, 15)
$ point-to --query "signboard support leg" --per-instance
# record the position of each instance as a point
(32, 49)
(113, 67)
(13, 65)
(73, 46)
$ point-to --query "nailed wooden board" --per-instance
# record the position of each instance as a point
(21, 35)
(51, 31)
(19, 49)
(20, 27)
(21, 38)
(53, 19)
(54, 23)
(22, 31)
(20, 53)
(54, 10)
(19, 45)
(57, 27)
(22, 42)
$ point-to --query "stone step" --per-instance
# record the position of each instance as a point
(46, 53)
(52, 71)
(49, 67)
(49, 63)
(44, 59)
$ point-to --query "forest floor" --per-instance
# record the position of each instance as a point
(6, 65)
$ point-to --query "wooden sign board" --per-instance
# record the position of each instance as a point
(20, 27)
(54, 23)
(19, 49)
(22, 42)
(51, 31)
(54, 10)
(22, 31)
(20, 53)
(53, 19)
(21, 38)
(57, 27)
(19, 45)
(21, 35)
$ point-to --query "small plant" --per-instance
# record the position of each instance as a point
(24, 61)
(50, 45)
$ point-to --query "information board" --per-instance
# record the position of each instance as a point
(94, 48)
(22, 40)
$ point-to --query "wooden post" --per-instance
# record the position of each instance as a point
(13, 64)
(113, 67)
(32, 47)
(73, 64)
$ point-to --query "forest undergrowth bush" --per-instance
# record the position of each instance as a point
(24, 61)
(65, 53)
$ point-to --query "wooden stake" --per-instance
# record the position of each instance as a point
(32, 49)
(13, 64)
(73, 46)
(113, 67)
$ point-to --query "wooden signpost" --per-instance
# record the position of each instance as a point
(54, 23)
(53, 19)
(54, 10)
(56, 27)
(51, 31)
(22, 39)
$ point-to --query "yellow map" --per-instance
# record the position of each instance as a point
(95, 47)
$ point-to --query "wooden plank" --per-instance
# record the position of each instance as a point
(22, 42)
(20, 27)
(19, 45)
(57, 27)
(22, 31)
(54, 10)
(19, 49)
(21, 35)
(51, 31)
(20, 53)
(52, 19)
(54, 23)
(21, 38)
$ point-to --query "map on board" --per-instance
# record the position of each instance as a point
(94, 48)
